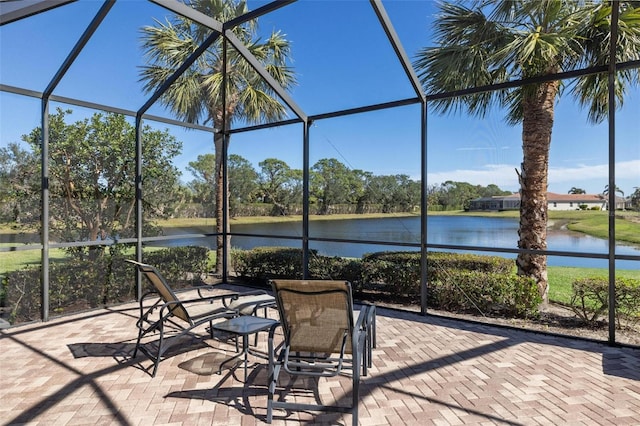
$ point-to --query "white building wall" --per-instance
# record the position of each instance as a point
(566, 205)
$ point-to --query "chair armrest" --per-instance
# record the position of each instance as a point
(365, 317)
(201, 288)
(249, 302)
(271, 349)
(211, 299)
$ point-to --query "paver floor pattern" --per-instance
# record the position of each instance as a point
(427, 370)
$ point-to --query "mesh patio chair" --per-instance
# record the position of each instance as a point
(170, 315)
(321, 339)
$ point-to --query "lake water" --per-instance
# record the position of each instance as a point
(469, 231)
(450, 230)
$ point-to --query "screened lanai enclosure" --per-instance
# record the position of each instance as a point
(239, 141)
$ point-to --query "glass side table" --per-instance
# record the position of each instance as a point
(244, 326)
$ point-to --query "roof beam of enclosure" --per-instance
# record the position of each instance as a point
(191, 13)
(368, 108)
(14, 11)
(107, 108)
(397, 46)
(341, 113)
(82, 42)
(256, 13)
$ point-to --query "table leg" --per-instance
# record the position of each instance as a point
(244, 353)
(245, 349)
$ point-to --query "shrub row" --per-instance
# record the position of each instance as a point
(457, 282)
(77, 284)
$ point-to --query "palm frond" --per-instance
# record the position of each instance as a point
(197, 95)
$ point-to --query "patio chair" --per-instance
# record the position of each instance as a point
(179, 316)
(321, 339)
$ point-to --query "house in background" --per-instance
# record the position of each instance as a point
(496, 203)
(556, 202)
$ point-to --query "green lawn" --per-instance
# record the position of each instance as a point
(561, 278)
(13, 260)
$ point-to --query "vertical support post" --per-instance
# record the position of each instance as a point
(612, 170)
(424, 209)
(223, 165)
(44, 193)
(305, 199)
(225, 206)
(138, 195)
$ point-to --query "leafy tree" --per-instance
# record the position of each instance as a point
(243, 182)
(494, 41)
(575, 190)
(280, 185)
(203, 185)
(393, 192)
(92, 174)
(457, 195)
(197, 95)
(433, 197)
(331, 183)
(19, 185)
(491, 190)
(380, 190)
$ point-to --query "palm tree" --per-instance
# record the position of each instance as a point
(196, 97)
(635, 198)
(617, 190)
(494, 41)
(575, 191)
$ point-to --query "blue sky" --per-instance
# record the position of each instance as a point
(342, 60)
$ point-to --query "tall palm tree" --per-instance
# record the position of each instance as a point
(617, 190)
(494, 41)
(196, 97)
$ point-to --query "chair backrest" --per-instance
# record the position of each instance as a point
(315, 314)
(163, 289)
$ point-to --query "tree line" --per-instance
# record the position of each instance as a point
(92, 175)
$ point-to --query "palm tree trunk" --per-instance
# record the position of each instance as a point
(538, 112)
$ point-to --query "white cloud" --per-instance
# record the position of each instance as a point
(624, 170)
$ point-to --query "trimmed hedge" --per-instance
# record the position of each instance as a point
(457, 282)
(486, 292)
(402, 269)
(261, 264)
(78, 285)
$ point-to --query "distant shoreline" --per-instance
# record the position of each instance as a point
(593, 223)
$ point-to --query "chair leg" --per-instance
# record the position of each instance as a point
(273, 380)
(135, 351)
(356, 390)
(156, 362)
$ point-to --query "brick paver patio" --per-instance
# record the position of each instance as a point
(78, 370)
